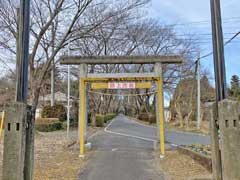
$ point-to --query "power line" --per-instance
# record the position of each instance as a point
(211, 53)
(226, 20)
(225, 44)
(204, 34)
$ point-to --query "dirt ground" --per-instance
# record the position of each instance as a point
(178, 166)
(55, 158)
(204, 129)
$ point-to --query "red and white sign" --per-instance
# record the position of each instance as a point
(122, 85)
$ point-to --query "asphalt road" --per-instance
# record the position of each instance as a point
(123, 125)
(124, 151)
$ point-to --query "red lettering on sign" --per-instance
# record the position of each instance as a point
(123, 85)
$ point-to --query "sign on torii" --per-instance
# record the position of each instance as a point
(121, 81)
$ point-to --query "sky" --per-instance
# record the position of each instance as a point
(193, 17)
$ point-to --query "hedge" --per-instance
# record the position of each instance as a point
(147, 117)
(56, 111)
(46, 120)
(48, 127)
(103, 119)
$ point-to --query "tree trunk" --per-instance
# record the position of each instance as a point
(179, 115)
(93, 119)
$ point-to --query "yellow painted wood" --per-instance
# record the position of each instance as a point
(82, 115)
(96, 79)
(2, 122)
(143, 85)
(159, 82)
(161, 115)
(99, 85)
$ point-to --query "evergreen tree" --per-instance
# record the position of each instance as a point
(234, 91)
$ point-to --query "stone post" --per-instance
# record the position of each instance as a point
(14, 141)
(229, 118)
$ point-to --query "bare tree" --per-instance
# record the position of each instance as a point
(55, 23)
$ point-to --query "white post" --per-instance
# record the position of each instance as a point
(198, 95)
(68, 102)
(68, 97)
(53, 74)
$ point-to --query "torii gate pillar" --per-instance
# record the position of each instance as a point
(160, 107)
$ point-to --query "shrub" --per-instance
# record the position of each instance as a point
(152, 119)
(146, 117)
(143, 117)
(57, 111)
(109, 117)
(102, 119)
(48, 127)
(99, 120)
(64, 125)
(46, 120)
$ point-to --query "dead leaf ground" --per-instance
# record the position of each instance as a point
(178, 166)
(54, 159)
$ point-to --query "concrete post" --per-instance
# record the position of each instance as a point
(229, 118)
(14, 141)
(216, 156)
(29, 147)
(198, 95)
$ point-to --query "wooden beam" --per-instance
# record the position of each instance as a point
(121, 75)
(75, 60)
(97, 79)
(138, 85)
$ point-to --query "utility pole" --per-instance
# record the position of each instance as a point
(218, 51)
(53, 71)
(198, 94)
(220, 80)
(18, 157)
(23, 56)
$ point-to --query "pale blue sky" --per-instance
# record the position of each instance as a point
(182, 12)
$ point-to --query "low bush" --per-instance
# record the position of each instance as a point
(49, 127)
(64, 124)
(99, 120)
(56, 111)
(102, 119)
(146, 117)
(46, 120)
(109, 117)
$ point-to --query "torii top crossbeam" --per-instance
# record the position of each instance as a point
(75, 60)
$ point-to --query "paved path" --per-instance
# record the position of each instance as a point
(120, 157)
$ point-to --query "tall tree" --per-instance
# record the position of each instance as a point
(55, 23)
(234, 91)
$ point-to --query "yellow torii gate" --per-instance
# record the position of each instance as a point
(156, 76)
